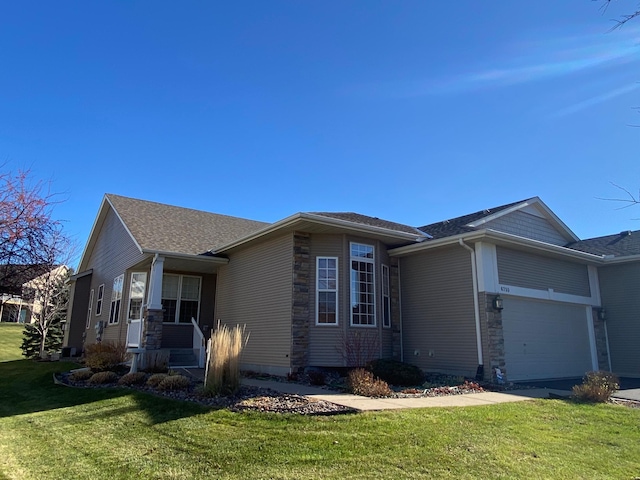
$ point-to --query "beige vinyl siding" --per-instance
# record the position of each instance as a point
(620, 292)
(255, 289)
(527, 225)
(523, 269)
(438, 311)
(326, 342)
(113, 252)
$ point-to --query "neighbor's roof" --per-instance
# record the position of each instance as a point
(370, 221)
(459, 225)
(620, 245)
(165, 228)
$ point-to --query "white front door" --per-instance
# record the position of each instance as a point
(134, 312)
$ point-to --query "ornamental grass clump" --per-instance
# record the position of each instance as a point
(222, 375)
(363, 382)
(104, 356)
(81, 375)
(155, 379)
(596, 387)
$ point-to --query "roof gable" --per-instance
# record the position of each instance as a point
(509, 218)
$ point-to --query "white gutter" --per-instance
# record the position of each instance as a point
(188, 256)
(475, 300)
(499, 236)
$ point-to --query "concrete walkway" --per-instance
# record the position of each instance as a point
(367, 404)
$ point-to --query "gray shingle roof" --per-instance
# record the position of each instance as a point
(370, 221)
(458, 225)
(619, 245)
(160, 227)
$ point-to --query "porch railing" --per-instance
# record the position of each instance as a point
(199, 343)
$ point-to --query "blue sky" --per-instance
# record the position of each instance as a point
(413, 111)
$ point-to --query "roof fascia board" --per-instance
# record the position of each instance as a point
(319, 219)
(608, 260)
(532, 201)
(506, 237)
(188, 256)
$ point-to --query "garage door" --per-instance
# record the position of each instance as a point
(545, 339)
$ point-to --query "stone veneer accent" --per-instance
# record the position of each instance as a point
(396, 318)
(152, 329)
(300, 301)
(494, 343)
(601, 341)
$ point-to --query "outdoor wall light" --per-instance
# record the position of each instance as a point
(602, 314)
(497, 303)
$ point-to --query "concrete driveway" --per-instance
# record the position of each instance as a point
(629, 387)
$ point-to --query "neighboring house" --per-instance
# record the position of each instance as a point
(498, 289)
(17, 282)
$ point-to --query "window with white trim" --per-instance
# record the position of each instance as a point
(326, 291)
(99, 302)
(116, 299)
(89, 309)
(386, 298)
(136, 294)
(180, 298)
(363, 311)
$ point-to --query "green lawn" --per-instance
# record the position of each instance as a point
(51, 432)
(10, 341)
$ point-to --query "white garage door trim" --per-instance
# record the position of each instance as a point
(544, 339)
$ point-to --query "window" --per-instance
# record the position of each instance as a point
(136, 294)
(386, 298)
(326, 291)
(362, 285)
(180, 298)
(116, 299)
(99, 302)
(89, 309)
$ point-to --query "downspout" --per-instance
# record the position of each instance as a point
(606, 337)
(480, 370)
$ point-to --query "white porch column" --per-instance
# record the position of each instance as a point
(155, 284)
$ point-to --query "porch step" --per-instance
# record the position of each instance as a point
(182, 357)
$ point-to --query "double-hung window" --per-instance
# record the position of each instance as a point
(116, 299)
(180, 298)
(386, 298)
(326, 291)
(362, 285)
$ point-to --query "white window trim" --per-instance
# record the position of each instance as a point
(319, 290)
(386, 285)
(367, 260)
(143, 293)
(89, 309)
(114, 299)
(177, 315)
(100, 301)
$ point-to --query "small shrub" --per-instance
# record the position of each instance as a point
(596, 387)
(174, 382)
(104, 356)
(80, 375)
(436, 380)
(155, 379)
(362, 382)
(395, 372)
(102, 378)
(317, 378)
(135, 378)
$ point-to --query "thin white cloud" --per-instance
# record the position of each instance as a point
(596, 100)
(528, 62)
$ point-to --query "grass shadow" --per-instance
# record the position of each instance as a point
(27, 387)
